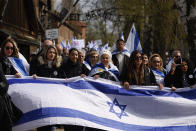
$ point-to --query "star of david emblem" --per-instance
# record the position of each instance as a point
(117, 109)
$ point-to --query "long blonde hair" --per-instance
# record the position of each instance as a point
(43, 58)
(161, 61)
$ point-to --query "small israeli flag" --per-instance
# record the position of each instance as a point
(133, 42)
(63, 44)
(122, 36)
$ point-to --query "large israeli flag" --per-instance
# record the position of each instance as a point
(102, 104)
(133, 42)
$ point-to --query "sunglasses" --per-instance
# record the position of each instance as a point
(138, 58)
(177, 56)
(156, 61)
(9, 48)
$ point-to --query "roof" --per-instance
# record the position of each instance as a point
(76, 23)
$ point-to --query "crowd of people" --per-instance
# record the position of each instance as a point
(129, 69)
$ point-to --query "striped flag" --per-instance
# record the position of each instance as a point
(101, 104)
(63, 44)
(20, 64)
(133, 42)
(122, 36)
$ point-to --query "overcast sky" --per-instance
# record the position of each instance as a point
(85, 5)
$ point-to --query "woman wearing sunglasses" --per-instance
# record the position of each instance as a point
(9, 49)
(135, 73)
(159, 73)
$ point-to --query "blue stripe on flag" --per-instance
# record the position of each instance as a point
(136, 41)
(110, 89)
(20, 65)
(66, 112)
(23, 81)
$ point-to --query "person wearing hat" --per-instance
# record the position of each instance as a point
(105, 69)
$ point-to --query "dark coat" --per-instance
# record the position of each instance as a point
(9, 113)
(74, 69)
(177, 79)
(117, 63)
(149, 78)
(7, 66)
(43, 70)
(54, 72)
(34, 63)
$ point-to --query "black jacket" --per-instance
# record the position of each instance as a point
(34, 63)
(149, 78)
(7, 66)
(117, 63)
(9, 113)
(74, 69)
(54, 72)
(43, 70)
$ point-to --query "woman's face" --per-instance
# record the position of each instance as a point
(8, 49)
(94, 58)
(184, 66)
(156, 63)
(73, 56)
(81, 57)
(145, 59)
(105, 59)
(138, 59)
(51, 54)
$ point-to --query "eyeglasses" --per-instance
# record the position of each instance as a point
(177, 56)
(9, 48)
(138, 58)
(156, 61)
(94, 57)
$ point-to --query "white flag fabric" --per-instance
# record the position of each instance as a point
(133, 42)
(169, 64)
(20, 64)
(78, 43)
(122, 36)
(63, 44)
(104, 47)
(101, 104)
(90, 45)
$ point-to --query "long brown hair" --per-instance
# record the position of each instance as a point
(15, 47)
(131, 70)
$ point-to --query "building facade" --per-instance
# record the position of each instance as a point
(27, 20)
